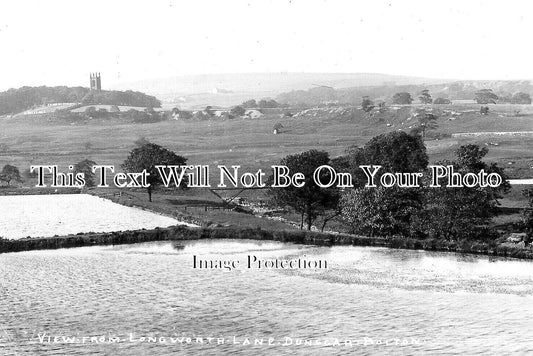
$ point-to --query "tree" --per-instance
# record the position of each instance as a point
(485, 96)
(521, 98)
(309, 201)
(452, 213)
(382, 108)
(147, 157)
(380, 211)
(91, 112)
(237, 111)
(527, 215)
(10, 173)
(427, 121)
(86, 167)
(402, 98)
(383, 211)
(425, 97)
(367, 105)
(442, 101)
(209, 110)
(266, 103)
(456, 213)
(470, 156)
(249, 104)
(396, 151)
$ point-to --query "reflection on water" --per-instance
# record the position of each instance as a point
(446, 303)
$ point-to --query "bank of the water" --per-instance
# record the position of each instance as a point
(329, 239)
(14, 190)
(166, 211)
(209, 231)
(182, 233)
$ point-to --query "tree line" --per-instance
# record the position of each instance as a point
(514, 92)
(440, 213)
(14, 101)
(444, 213)
(482, 96)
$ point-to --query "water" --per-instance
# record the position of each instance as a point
(528, 181)
(435, 303)
(49, 215)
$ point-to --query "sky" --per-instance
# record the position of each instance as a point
(61, 42)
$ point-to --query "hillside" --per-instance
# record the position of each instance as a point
(196, 91)
(252, 144)
(15, 101)
(266, 82)
(456, 90)
(224, 90)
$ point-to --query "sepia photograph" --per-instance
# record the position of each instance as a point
(266, 177)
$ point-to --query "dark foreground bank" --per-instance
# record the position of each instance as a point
(180, 232)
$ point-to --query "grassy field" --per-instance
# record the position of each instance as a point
(109, 107)
(196, 206)
(47, 109)
(250, 143)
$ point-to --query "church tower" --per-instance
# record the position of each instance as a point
(95, 81)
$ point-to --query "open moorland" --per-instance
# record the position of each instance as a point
(39, 139)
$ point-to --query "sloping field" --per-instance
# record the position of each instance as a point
(250, 142)
(108, 108)
(46, 109)
(494, 134)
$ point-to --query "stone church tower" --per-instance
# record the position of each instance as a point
(96, 83)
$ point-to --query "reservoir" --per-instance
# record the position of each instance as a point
(63, 214)
(382, 301)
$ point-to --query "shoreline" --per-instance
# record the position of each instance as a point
(184, 233)
(211, 231)
(186, 219)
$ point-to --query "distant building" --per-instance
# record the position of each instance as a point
(96, 83)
